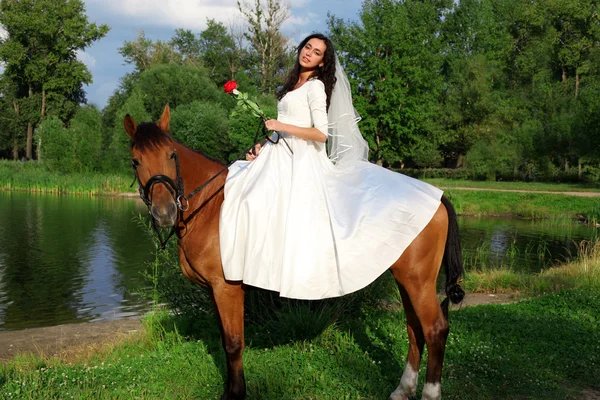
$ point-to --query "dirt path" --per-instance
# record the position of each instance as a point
(579, 194)
(56, 340)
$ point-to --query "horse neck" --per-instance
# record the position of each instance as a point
(196, 169)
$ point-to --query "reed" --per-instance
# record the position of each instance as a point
(581, 272)
(33, 177)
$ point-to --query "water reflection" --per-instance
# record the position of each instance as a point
(66, 259)
(521, 245)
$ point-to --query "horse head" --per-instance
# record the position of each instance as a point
(156, 164)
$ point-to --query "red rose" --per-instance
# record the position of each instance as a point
(229, 86)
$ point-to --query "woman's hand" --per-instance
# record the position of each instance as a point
(274, 125)
(252, 154)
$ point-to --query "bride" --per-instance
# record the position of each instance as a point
(312, 222)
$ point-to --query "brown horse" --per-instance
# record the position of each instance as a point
(155, 153)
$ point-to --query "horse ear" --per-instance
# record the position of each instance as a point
(165, 120)
(130, 125)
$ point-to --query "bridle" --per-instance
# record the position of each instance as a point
(177, 189)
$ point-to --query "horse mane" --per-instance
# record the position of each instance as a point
(149, 136)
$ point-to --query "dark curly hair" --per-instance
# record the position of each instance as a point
(325, 74)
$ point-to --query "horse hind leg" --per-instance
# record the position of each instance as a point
(408, 383)
(435, 332)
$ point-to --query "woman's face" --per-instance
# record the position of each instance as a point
(311, 55)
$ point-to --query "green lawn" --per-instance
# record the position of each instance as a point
(544, 348)
(446, 184)
(523, 205)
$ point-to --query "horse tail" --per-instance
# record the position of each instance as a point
(452, 260)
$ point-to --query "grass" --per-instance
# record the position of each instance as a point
(584, 272)
(523, 205)
(533, 186)
(544, 348)
(33, 177)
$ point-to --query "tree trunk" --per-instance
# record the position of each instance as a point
(566, 164)
(379, 158)
(459, 161)
(564, 75)
(43, 113)
(43, 104)
(15, 149)
(579, 170)
(576, 85)
(29, 149)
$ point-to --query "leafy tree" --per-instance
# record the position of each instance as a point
(12, 132)
(176, 85)
(56, 145)
(86, 135)
(393, 57)
(40, 54)
(270, 48)
(243, 126)
(187, 45)
(118, 152)
(202, 126)
(143, 53)
(221, 55)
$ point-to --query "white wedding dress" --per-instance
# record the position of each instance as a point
(294, 224)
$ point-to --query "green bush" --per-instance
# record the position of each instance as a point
(202, 126)
(119, 154)
(177, 85)
(490, 161)
(86, 135)
(243, 125)
(56, 145)
(429, 173)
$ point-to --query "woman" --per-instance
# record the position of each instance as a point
(309, 225)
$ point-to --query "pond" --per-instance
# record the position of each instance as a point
(67, 259)
(70, 259)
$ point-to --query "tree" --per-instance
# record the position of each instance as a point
(393, 58)
(202, 126)
(143, 53)
(269, 45)
(118, 151)
(176, 85)
(221, 55)
(40, 54)
(12, 133)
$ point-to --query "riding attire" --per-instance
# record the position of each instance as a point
(311, 226)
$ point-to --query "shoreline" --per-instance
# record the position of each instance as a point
(66, 338)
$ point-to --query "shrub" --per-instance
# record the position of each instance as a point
(118, 151)
(243, 125)
(56, 145)
(86, 135)
(202, 126)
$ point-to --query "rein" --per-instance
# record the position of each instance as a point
(177, 190)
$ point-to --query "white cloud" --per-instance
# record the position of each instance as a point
(189, 14)
(87, 59)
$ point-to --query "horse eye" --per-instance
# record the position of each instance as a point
(135, 163)
(173, 155)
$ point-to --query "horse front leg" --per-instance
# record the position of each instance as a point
(229, 304)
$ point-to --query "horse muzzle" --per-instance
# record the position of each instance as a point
(166, 215)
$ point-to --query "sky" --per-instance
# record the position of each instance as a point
(159, 19)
